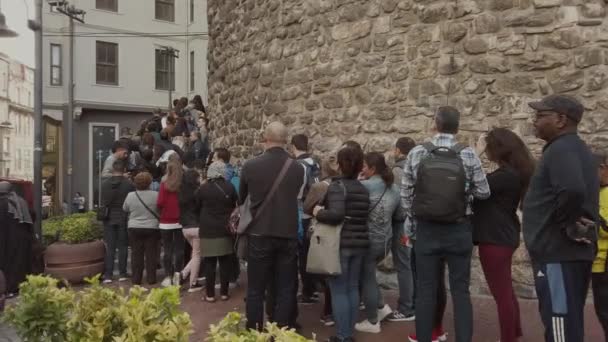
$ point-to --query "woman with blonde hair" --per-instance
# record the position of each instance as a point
(170, 227)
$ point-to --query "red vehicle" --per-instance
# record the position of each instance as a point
(23, 188)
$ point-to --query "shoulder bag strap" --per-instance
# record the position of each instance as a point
(222, 190)
(274, 187)
(145, 206)
(380, 199)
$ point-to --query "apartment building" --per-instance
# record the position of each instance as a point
(16, 119)
(121, 73)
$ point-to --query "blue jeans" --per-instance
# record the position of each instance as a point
(403, 266)
(345, 293)
(372, 297)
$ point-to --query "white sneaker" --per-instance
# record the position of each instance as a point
(177, 279)
(107, 281)
(166, 282)
(368, 327)
(384, 312)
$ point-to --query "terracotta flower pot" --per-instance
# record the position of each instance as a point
(74, 262)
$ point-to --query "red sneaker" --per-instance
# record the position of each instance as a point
(441, 335)
(413, 338)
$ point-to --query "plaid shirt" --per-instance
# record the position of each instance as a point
(476, 185)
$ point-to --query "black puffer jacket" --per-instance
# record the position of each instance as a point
(352, 209)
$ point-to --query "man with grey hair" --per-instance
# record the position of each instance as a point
(440, 179)
(273, 233)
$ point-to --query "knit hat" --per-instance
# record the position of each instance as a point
(217, 169)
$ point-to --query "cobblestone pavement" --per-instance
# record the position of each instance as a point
(486, 322)
(7, 334)
(485, 325)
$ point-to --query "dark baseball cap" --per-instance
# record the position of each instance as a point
(562, 104)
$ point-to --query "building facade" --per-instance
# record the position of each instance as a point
(121, 73)
(16, 119)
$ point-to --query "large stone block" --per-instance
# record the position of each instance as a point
(486, 23)
(351, 31)
(541, 61)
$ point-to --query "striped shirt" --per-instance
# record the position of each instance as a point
(476, 185)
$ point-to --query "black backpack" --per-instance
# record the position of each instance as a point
(439, 193)
(313, 174)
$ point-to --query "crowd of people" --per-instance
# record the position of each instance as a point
(166, 188)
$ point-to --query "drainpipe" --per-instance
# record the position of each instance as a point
(70, 121)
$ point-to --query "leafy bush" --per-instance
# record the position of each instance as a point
(232, 328)
(99, 314)
(42, 311)
(72, 229)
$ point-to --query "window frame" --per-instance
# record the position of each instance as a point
(164, 3)
(112, 5)
(106, 63)
(59, 66)
(161, 68)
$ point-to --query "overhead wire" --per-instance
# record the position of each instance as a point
(126, 35)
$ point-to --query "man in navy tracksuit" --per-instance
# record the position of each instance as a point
(559, 212)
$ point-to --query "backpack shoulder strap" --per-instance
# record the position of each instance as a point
(429, 146)
(459, 147)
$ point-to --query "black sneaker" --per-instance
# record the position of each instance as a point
(307, 300)
(397, 316)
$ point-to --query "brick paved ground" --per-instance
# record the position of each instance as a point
(486, 323)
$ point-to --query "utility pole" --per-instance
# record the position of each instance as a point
(171, 54)
(63, 6)
(36, 26)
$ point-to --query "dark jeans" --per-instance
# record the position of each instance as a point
(235, 268)
(308, 280)
(403, 265)
(115, 237)
(454, 244)
(496, 265)
(225, 262)
(345, 293)
(271, 296)
(144, 245)
(271, 259)
(600, 299)
(173, 250)
(562, 290)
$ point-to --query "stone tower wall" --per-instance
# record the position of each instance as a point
(374, 70)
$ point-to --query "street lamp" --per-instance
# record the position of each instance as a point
(5, 32)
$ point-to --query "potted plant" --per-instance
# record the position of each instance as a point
(74, 247)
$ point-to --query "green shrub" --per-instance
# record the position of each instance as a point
(232, 328)
(42, 311)
(72, 229)
(97, 314)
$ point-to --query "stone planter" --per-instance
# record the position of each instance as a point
(74, 262)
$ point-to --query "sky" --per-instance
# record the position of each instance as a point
(20, 48)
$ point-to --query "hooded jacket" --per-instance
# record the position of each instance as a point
(114, 191)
